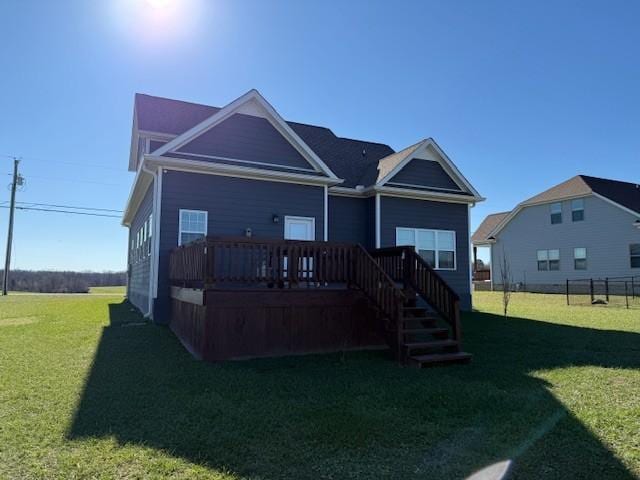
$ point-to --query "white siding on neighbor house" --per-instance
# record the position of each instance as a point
(606, 232)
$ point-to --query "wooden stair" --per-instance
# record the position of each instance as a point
(426, 344)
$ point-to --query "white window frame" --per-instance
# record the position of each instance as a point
(574, 209)
(552, 213)
(186, 210)
(436, 247)
(631, 257)
(548, 260)
(586, 262)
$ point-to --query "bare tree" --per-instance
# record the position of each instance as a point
(506, 282)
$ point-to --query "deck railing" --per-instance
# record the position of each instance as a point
(404, 265)
(216, 262)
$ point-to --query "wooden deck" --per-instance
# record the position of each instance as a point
(242, 298)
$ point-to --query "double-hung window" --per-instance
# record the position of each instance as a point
(556, 213)
(548, 260)
(436, 247)
(193, 225)
(634, 253)
(580, 258)
(577, 210)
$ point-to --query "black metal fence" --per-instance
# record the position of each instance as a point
(613, 291)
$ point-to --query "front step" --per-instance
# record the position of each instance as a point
(432, 345)
(432, 359)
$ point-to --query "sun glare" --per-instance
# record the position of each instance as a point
(159, 3)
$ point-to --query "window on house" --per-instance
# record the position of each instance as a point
(548, 260)
(543, 260)
(634, 252)
(193, 225)
(436, 247)
(580, 258)
(577, 210)
(556, 213)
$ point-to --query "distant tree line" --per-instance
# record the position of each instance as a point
(62, 282)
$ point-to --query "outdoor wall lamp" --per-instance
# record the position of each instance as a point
(276, 218)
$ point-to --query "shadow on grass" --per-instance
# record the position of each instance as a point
(358, 415)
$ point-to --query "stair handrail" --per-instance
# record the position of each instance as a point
(422, 278)
(380, 289)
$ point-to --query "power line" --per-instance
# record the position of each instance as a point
(64, 211)
(73, 180)
(68, 206)
(59, 162)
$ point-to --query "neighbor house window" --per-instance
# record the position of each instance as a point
(436, 247)
(577, 209)
(634, 251)
(556, 213)
(580, 258)
(548, 260)
(193, 225)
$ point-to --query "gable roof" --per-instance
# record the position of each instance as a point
(348, 158)
(625, 195)
(574, 187)
(481, 235)
(257, 104)
(357, 162)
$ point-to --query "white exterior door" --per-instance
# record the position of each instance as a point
(300, 228)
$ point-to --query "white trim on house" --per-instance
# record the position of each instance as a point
(377, 220)
(615, 204)
(424, 195)
(424, 187)
(403, 193)
(152, 264)
(446, 163)
(248, 162)
(157, 218)
(270, 114)
(238, 171)
(436, 250)
(337, 191)
(188, 210)
(326, 213)
(470, 246)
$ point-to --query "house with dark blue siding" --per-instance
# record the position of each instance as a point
(243, 175)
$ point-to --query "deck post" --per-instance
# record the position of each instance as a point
(567, 290)
(593, 298)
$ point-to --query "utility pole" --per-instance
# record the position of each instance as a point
(17, 180)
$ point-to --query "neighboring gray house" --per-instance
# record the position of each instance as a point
(585, 227)
(243, 170)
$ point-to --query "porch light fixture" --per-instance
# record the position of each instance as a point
(248, 232)
(276, 218)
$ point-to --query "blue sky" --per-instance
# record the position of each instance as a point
(521, 95)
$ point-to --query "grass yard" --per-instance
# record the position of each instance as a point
(116, 290)
(88, 392)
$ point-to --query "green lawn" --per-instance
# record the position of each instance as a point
(86, 391)
(116, 290)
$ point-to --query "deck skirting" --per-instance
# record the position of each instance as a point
(239, 324)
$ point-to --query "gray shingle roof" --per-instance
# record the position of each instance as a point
(486, 227)
(355, 161)
(626, 194)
